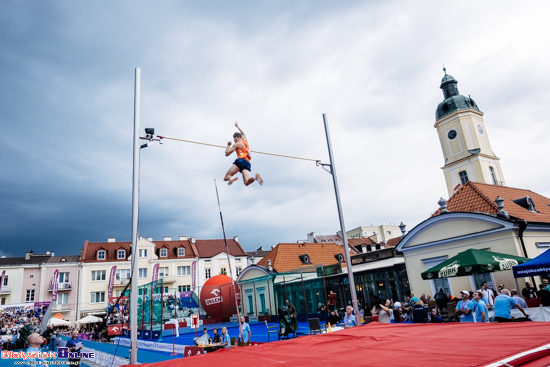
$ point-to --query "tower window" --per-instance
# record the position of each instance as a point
(493, 175)
(463, 177)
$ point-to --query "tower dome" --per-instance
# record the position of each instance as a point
(453, 101)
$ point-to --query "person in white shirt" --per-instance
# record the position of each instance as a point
(488, 295)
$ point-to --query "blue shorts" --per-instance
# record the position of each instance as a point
(242, 164)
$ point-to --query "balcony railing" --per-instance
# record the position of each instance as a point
(168, 279)
(63, 307)
(6, 289)
(121, 282)
(61, 287)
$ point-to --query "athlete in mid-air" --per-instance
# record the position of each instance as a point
(242, 163)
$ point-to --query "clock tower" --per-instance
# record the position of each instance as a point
(464, 140)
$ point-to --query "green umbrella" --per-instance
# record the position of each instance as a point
(472, 262)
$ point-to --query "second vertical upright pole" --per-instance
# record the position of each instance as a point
(342, 226)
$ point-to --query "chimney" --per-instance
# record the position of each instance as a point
(28, 254)
(269, 267)
(149, 238)
(52, 253)
(193, 240)
(236, 238)
(443, 205)
(111, 239)
(183, 238)
(167, 238)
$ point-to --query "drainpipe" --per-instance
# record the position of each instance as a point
(521, 229)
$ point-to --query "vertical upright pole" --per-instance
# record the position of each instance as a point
(135, 215)
(342, 226)
(304, 291)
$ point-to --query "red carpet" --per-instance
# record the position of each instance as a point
(381, 345)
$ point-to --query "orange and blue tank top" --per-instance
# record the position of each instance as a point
(244, 153)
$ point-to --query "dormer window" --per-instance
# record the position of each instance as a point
(163, 252)
(181, 251)
(142, 253)
(527, 203)
(101, 255)
(121, 254)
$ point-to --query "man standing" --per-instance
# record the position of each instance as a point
(75, 345)
(242, 163)
(293, 315)
(481, 311)
(488, 295)
(465, 308)
(246, 333)
(545, 284)
(331, 301)
(544, 296)
(349, 319)
(529, 291)
(34, 341)
(503, 306)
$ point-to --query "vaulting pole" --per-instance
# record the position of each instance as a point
(135, 216)
(342, 226)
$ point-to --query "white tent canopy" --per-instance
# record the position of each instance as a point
(55, 321)
(90, 319)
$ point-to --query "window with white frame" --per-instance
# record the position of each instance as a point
(63, 278)
(223, 271)
(184, 288)
(441, 283)
(101, 255)
(143, 252)
(121, 254)
(181, 251)
(5, 281)
(98, 275)
(163, 272)
(238, 270)
(30, 296)
(122, 274)
(62, 299)
(97, 297)
(207, 273)
(163, 252)
(184, 270)
(165, 289)
(142, 273)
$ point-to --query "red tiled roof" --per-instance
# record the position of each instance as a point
(392, 242)
(211, 248)
(360, 242)
(480, 197)
(89, 254)
(284, 256)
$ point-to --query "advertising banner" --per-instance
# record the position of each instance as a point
(55, 285)
(112, 280)
(2, 280)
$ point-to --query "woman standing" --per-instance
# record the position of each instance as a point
(383, 311)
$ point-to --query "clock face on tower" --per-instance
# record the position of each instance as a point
(451, 134)
(480, 129)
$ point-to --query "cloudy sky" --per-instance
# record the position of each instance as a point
(67, 93)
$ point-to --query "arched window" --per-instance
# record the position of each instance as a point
(463, 177)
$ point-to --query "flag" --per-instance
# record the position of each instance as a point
(55, 285)
(112, 281)
(2, 280)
